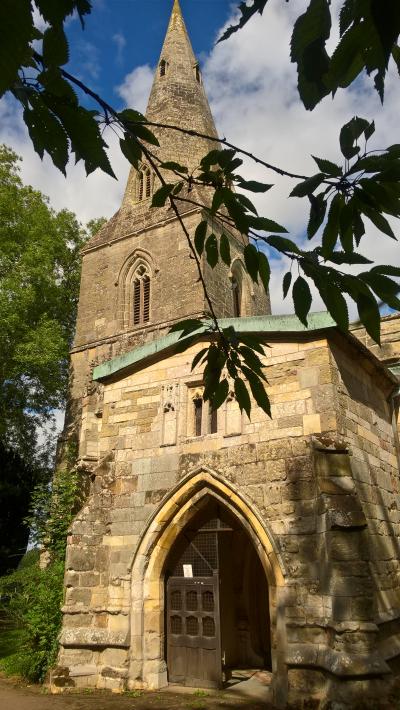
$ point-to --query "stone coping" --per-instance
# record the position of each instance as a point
(273, 325)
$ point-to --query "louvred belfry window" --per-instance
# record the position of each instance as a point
(144, 183)
(141, 296)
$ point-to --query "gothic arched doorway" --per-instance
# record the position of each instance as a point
(217, 606)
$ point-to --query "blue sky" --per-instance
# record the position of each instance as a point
(252, 88)
(122, 34)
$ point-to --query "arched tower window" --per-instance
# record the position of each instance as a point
(141, 295)
(163, 67)
(145, 183)
(197, 73)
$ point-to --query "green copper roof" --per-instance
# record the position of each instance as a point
(258, 324)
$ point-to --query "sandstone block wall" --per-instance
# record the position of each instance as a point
(321, 476)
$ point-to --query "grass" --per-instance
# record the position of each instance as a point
(10, 644)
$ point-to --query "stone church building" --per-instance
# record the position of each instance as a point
(209, 542)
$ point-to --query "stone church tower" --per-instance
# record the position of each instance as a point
(208, 542)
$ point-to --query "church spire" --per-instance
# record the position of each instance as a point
(178, 97)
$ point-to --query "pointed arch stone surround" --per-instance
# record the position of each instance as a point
(147, 666)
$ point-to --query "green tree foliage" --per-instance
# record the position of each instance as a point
(359, 186)
(39, 283)
(17, 481)
(31, 597)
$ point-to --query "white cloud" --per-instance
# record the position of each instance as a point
(136, 86)
(252, 88)
(120, 42)
(93, 196)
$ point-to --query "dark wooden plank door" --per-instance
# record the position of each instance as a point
(193, 632)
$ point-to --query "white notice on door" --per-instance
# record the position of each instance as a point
(187, 571)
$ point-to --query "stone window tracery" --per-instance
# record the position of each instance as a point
(144, 183)
(135, 289)
(202, 417)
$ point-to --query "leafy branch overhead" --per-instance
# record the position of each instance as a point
(368, 39)
(345, 197)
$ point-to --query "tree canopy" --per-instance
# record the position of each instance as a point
(39, 283)
(360, 188)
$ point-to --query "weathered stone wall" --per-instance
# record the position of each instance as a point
(389, 351)
(304, 472)
(366, 421)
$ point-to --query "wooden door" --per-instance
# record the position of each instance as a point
(193, 632)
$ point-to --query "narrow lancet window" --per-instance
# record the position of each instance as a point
(163, 67)
(236, 298)
(141, 296)
(197, 73)
(213, 420)
(198, 415)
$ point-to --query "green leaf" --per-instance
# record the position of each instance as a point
(327, 167)
(242, 396)
(247, 12)
(396, 57)
(283, 245)
(302, 299)
(287, 280)
(350, 133)
(379, 221)
(369, 315)
(131, 150)
(331, 231)
(341, 257)
(307, 186)
(225, 250)
(317, 214)
(83, 132)
(387, 269)
(310, 32)
(237, 214)
(250, 255)
(264, 270)
(171, 165)
(46, 133)
(251, 341)
(258, 390)
(55, 46)
(384, 287)
(246, 203)
(220, 394)
(130, 116)
(265, 224)
(251, 359)
(16, 28)
(54, 83)
(212, 250)
(161, 195)
(200, 236)
(210, 159)
(335, 304)
(254, 186)
(140, 131)
(347, 60)
(199, 356)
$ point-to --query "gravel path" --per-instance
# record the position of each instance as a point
(16, 696)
